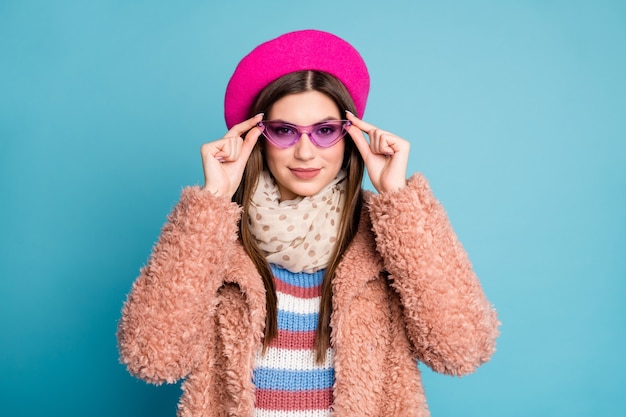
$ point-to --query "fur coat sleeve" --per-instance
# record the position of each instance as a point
(167, 320)
(449, 321)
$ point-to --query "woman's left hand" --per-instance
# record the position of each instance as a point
(386, 155)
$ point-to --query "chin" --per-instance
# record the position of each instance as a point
(304, 191)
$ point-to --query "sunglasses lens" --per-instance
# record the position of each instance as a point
(281, 134)
(324, 134)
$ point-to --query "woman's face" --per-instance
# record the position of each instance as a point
(304, 169)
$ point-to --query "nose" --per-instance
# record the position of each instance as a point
(304, 149)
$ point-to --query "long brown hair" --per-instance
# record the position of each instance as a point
(293, 83)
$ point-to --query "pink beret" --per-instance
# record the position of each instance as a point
(295, 51)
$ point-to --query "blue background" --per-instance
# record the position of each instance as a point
(516, 111)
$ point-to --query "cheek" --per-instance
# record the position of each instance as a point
(336, 153)
(274, 157)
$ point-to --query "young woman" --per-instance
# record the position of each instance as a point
(280, 288)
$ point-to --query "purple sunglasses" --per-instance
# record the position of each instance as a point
(323, 134)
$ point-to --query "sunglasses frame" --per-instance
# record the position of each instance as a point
(301, 130)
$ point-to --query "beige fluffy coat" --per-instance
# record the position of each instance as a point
(405, 291)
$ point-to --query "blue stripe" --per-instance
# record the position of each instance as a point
(297, 322)
(277, 379)
(298, 279)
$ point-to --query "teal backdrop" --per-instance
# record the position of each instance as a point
(516, 111)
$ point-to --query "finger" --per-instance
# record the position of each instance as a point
(359, 140)
(219, 149)
(248, 143)
(241, 128)
(364, 126)
(372, 131)
(209, 150)
(232, 149)
(382, 142)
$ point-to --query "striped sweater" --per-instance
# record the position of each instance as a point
(288, 381)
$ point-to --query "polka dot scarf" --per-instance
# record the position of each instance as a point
(298, 235)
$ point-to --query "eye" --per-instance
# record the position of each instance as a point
(327, 130)
(282, 130)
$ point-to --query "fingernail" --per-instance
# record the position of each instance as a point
(260, 114)
(350, 113)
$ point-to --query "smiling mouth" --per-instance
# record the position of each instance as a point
(305, 173)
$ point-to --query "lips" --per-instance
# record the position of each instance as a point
(305, 173)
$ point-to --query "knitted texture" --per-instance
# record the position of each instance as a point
(291, 52)
(288, 380)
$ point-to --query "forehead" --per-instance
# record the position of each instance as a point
(304, 108)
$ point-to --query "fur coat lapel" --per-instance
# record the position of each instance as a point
(361, 264)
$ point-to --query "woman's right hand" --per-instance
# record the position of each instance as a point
(224, 160)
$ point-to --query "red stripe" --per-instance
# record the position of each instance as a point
(300, 292)
(294, 400)
(294, 340)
